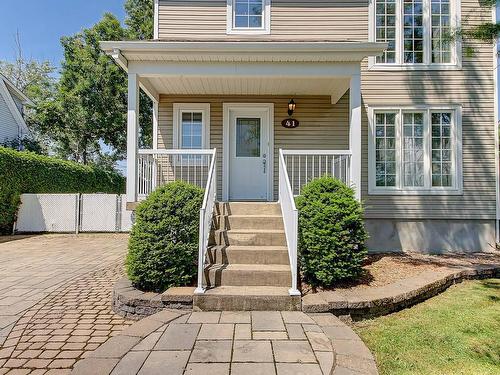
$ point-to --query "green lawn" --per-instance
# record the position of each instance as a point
(457, 332)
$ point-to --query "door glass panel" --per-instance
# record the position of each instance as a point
(248, 137)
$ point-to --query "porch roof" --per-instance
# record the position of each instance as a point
(242, 68)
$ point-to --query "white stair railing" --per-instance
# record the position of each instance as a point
(206, 216)
(297, 168)
(290, 220)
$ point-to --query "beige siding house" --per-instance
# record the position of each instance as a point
(383, 101)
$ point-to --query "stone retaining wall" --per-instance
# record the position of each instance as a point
(377, 301)
(134, 304)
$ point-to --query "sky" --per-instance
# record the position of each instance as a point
(41, 24)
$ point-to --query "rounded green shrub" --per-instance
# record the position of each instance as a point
(331, 232)
(163, 245)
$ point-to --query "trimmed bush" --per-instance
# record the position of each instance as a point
(331, 232)
(26, 172)
(163, 246)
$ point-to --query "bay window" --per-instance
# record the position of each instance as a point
(418, 32)
(415, 150)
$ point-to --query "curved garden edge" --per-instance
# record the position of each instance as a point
(134, 304)
(378, 301)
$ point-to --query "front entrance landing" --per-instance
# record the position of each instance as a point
(236, 343)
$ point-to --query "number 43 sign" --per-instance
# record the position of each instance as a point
(290, 123)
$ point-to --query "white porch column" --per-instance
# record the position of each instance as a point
(355, 132)
(132, 136)
(155, 123)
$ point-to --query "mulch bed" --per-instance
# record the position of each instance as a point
(385, 269)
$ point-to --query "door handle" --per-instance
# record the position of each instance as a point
(264, 162)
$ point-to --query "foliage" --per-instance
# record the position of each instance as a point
(331, 232)
(25, 144)
(163, 245)
(27, 172)
(140, 19)
(35, 79)
(457, 332)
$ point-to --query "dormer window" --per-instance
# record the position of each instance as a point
(248, 16)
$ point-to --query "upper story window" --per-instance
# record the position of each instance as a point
(417, 33)
(248, 16)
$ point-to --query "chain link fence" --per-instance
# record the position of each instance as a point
(73, 213)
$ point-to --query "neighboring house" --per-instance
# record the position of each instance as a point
(384, 101)
(12, 105)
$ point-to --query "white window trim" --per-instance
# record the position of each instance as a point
(180, 108)
(399, 189)
(456, 58)
(266, 19)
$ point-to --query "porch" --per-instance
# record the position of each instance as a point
(218, 109)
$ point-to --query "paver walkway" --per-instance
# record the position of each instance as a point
(236, 343)
(55, 294)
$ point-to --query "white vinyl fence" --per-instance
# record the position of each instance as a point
(65, 213)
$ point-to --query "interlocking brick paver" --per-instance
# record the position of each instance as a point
(252, 351)
(211, 351)
(267, 321)
(253, 369)
(207, 368)
(69, 281)
(293, 351)
(216, 332)
(178, 337)
(156, 363)
(298, 369)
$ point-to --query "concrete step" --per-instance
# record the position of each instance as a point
(250, 222)
(249, 208)
(241, 298)
(248, 275)
(248, 255)
(250, 237)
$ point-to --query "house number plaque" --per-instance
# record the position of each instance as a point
(290, 123)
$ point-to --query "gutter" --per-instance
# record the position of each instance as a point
(496, 78)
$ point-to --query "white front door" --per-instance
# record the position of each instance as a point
(249, 161)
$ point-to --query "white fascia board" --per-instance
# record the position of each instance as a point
(266, 51)
(18, 93)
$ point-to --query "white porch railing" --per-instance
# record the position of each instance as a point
(290, 220)
(305, 165)
(206, 216)
(297, 168)
(160, 167)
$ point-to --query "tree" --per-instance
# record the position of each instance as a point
(90, 104)
(36, 80)
(140, 19)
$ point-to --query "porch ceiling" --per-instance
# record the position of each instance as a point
(223, 85)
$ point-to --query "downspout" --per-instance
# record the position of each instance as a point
(496, 61)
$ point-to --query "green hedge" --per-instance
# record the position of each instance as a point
(163, 246)
(27, 172)
(331, 232)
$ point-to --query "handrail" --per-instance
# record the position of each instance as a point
(317, 152)
(206, 215)
(174, 152)
(290, 220)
